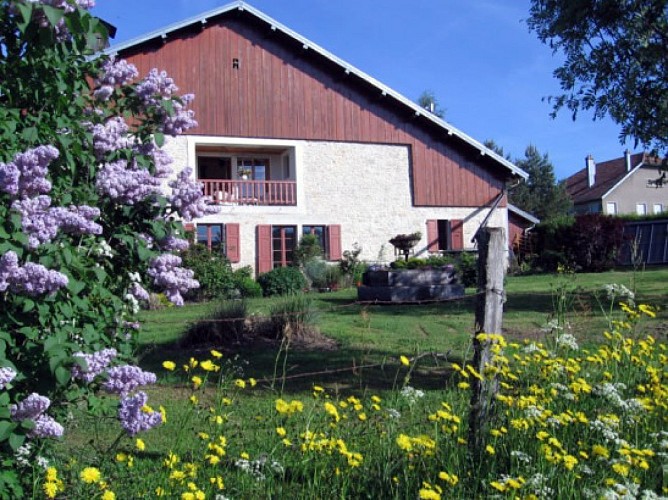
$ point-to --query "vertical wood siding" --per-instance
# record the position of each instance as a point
(282, 90)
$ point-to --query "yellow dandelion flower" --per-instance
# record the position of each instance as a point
(90, 475)
(240, 383)
(428, 494)
(50, 489)
(197, 381)
(169, 365)
(245, 455)
(209, 366)
(193, 399)
(490, 449)
(405, 361)
(108, 495)
(281, 431)
(160, 491)
(361, 416)
(141, 446)
(463, 385)
(216, 354)
(252, 382)
(51, 474)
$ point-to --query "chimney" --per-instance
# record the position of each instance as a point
(591, 170)
(627, 157)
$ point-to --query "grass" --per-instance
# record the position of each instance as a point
(399, 461)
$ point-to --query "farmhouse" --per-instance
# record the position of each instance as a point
(632, 184)
(293, 140)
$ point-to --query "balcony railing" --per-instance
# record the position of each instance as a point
(242, 192)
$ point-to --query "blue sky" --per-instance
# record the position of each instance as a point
(477, 56)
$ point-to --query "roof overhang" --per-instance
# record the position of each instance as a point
(418, 111)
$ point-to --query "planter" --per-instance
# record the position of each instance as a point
(409, 285)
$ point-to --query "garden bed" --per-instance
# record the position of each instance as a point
(409, 285)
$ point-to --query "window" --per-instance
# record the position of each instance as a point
(641, 209)
(657, 208)
(220, 238)
(283, 242)
(276, 244)
(611, 208)
(329, 239)
(444, 235)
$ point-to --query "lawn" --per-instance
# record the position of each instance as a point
(383, 412)
(375, 334)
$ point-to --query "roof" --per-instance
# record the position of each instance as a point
(608, 175)
(242, 6)
(521, 213)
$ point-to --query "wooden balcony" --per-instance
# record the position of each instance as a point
(244, 192)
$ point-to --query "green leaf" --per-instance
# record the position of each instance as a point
(62, 375)
(28, 305)
(16, 441)
(75, 286)
(6, 429)
(159, 139)
(30, 134)
(26, 14)
(52, 14)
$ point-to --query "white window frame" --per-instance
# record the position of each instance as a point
(641, 208)
(657, 208)
(611, 208)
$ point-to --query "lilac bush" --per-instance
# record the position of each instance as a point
(135, 416)
(85, 212)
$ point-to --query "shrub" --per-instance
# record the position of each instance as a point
(351, 267)
(293, 316)
(249, 288)
(224, 324)
(213, 271)
(467, 268)
(307, 249)
(315, 270)
(282, 281)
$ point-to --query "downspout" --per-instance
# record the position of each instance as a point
(495, 204)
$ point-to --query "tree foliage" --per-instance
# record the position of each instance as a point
(540, 194)
(429, 101)
(616, 61)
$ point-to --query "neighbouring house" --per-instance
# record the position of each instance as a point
(293, 140)
(520, 224)
(631, 184)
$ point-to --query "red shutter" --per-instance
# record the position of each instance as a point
(432, 235)
(232, 242)
(457, 234)
(334, 237)
(188, 226)
(264, 257)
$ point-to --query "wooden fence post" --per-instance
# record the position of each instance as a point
(488, 319)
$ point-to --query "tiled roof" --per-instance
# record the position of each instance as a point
(608, 174)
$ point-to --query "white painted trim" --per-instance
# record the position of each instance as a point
(622, 180)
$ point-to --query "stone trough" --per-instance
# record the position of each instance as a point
(409, 285)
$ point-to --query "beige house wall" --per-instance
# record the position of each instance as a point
(634, 190)
(365, 188)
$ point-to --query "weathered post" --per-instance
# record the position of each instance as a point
(488, 319)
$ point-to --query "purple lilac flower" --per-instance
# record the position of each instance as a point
(138, 292)
(7, 374)
(187, 197)
(9, 178)
(96, 363)
(174, 244)
(126, 378)
(41, 222)
(32, 167)
(182, 119)
(135, 416)
(161, 159)
(46, 427)
(110, 136)
(115, 73)
(31, 279)
(126, 185)
(30, 408)
(168, 275)
(33, 408)
(155, 87)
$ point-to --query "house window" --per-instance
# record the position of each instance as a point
(212, 236)
(329, 239)
(641, 208)
(283, 242)
(657, 208)
(220, 238)
(444, 235)
(611, 208)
